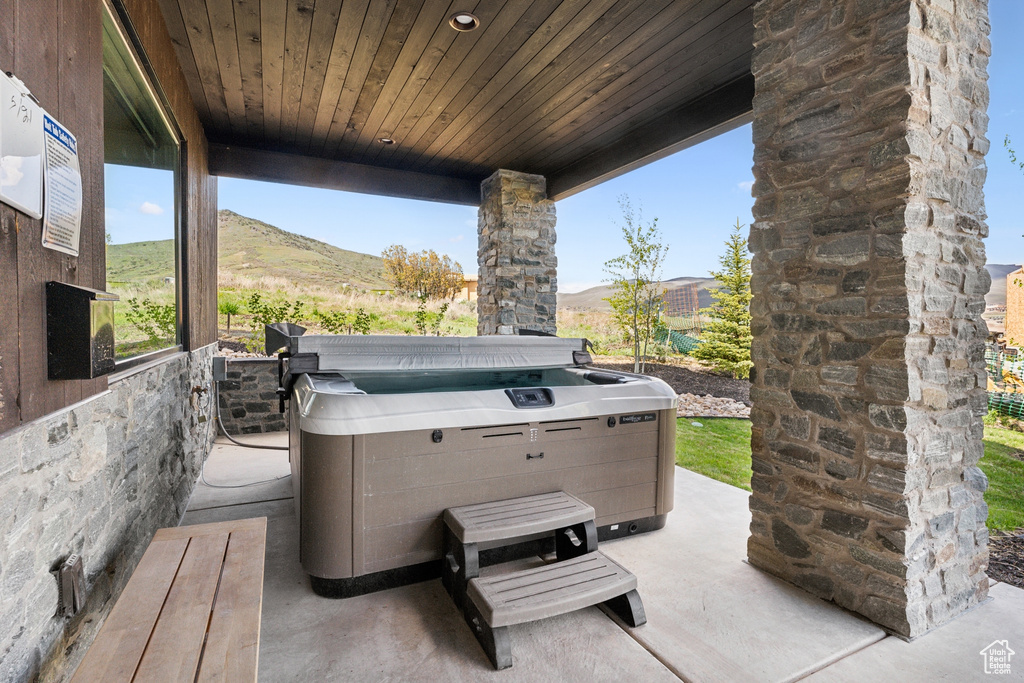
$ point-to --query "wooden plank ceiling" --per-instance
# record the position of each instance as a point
(575, 90)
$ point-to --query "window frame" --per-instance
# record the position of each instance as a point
(122, 23)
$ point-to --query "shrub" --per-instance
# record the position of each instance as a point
(427, 321)
(264, 313)
(228, 308)
(340, 322)
(159, 322)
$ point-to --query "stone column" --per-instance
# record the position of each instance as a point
(869, 282)
(516, 255)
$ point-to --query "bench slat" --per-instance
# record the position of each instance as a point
(506, 519)
(233, 644)
(115, 654)
(177, 642)
(211, 528)
(547, 591)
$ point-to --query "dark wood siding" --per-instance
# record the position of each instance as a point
(200, 210)
(57, 52)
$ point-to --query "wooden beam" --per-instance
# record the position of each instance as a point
(254, 164)
(719, 111)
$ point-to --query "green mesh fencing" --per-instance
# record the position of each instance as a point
(683, 322)
(680, 343)
(1005, 372)
(1006, 404)
(1005, 382)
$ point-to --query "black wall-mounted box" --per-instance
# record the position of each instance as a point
(79, 331)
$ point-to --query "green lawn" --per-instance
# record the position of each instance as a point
(720, 449)
(1003, 464)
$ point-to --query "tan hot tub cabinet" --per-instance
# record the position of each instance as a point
(386, 433)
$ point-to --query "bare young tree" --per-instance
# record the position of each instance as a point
(636, 281)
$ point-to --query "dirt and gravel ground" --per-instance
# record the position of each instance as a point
(686, 378)
(1006, 558)
(231, 345)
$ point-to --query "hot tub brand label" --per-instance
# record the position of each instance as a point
(642, 417)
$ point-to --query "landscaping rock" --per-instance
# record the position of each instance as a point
(691, 405)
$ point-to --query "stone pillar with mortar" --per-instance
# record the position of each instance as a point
(869, 283)
(516, 255)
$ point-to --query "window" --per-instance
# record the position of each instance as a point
(142, 165)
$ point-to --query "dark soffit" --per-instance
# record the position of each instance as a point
(578, 91)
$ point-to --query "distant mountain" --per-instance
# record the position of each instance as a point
(140, 261)
(253, 248)
(593, 298)
(997, 295)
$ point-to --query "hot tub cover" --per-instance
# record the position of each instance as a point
(356, 353)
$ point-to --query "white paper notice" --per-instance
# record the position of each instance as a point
(21, 148)
(62, 210)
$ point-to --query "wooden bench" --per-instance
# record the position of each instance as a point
(190, 612)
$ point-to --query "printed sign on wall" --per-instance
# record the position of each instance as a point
(21, 148)
(62, 215)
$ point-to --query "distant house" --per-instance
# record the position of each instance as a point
(469, 284)
(1014, 330)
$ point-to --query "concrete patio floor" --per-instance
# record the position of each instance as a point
(711, 616)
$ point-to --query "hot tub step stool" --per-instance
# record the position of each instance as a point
(497, 602)
(505, 522)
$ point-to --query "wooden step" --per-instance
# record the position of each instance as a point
(516, 517)
(497, 602)
(504, 522)
(548, 591)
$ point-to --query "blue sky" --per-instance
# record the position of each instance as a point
(696, 194)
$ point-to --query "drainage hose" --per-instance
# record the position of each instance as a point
(202, 470)
(216, 407)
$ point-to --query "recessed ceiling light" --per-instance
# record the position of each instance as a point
(385, 141)
(464, 21)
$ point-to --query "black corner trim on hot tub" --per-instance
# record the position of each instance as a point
(378, 581)
(631, 528)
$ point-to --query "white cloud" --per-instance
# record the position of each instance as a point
(471, 223)
(745, 185)
(456, 239)
(10, 171)
(151, 209)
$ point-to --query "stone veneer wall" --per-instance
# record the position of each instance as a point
(97, 478)
(516, 255)
(248, 398)
(869, 281)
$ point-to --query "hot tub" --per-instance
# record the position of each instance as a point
(386, 432)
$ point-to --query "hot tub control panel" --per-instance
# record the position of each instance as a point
(531, 397)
